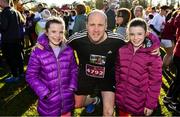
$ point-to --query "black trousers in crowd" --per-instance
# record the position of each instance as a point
(13, 54)
(174, 89)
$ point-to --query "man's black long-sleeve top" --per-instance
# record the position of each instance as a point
(10, 26)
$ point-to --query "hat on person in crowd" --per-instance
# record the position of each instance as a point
(45, 14)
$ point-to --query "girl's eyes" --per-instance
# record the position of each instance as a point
(61, 32)
(136, 34)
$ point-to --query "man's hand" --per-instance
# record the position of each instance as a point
(156, 52)
(147, 111)
(37, 45)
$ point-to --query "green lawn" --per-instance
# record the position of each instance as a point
(17, 99)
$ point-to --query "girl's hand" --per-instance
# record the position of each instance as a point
(147, 111)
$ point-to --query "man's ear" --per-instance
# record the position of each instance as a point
(106, 27)
(86, 25)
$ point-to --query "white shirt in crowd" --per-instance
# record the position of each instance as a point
(158, 22)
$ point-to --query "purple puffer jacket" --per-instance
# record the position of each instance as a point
(138, 78)
(53, 77)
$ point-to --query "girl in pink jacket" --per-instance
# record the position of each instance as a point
(138, 72)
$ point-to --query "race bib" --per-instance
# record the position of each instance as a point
(95, 71)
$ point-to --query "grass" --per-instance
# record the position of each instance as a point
(17, 99)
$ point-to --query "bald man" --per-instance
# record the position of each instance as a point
(96, 50)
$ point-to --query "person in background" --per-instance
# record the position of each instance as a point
(138, 73)
(54, 12)
(110, 13)
(40, 25)
(138, 11)
(171, 98)
(168, 38)
(37, 15)
(66, 19)
(80, 20)
(158, 22)
(71, 22)
(169, 14)
(12, 47)
(150, 17)
(30, 26)
(154, 12)
(134, 4)
(123, 16)
(52, 72)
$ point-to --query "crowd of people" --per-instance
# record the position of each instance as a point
(109, 56)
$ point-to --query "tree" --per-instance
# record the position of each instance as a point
(99, 4)
(125, 4)
(90, 3)
(144, 3)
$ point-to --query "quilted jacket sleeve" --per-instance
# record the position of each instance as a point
(155, 81)
(32, 76)
(74, 73)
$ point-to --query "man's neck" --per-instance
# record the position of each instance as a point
(100, 41)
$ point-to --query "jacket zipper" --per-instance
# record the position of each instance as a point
(131, 63)
(58, 63)
(60, 84)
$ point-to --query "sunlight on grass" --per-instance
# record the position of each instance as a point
(1, 85)
(78, 111)
(32, 111)
(173, 74)
(4, 76)
(166, 75)
(164, 110)
(15, 93)
(165, 82)
(25, 67)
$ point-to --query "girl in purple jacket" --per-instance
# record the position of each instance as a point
(52, 72)
(138, 72)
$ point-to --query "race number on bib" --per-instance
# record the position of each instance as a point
(95, 71)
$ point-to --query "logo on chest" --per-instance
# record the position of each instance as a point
(96, 67)
(97, 59)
